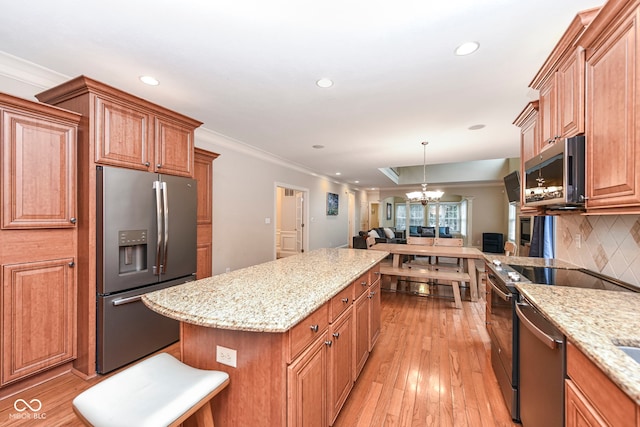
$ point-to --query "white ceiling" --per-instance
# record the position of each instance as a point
(247, 69)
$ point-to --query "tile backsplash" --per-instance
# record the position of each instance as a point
(609, 244)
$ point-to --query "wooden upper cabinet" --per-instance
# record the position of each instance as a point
(570, 95)
(38, 165)
(560, 83)
(128, 131)
(528, 122)
(612, 104)
(122, 135)
(174, 148)
(548, 114)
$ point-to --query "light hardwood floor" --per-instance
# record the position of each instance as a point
(430, 367)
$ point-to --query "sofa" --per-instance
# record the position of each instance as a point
(380, 235)
(418, 231)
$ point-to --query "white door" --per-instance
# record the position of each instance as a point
(299, 221)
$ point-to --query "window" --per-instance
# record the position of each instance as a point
(449, 215)
(416, 215)
(512, 222)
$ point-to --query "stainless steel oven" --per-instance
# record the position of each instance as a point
(501, 321)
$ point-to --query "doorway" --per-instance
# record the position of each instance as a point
(290, 232)
(374, 219)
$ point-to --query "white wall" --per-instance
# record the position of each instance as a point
(244, 196)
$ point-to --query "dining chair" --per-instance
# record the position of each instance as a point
(426, 241)
(510, 249)
(448, 263)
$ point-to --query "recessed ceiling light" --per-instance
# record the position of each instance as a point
(148, 80)
(476, 127)
(467, 48)
(357, 182)
(324, 82)
(338, 173)
(318, 146)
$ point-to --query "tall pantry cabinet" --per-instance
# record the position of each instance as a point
(38, 231)
(122, 130)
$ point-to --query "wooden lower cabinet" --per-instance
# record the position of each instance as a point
(340, 370)
(361, 339)
(38, 317)
(592, 399)
(307, 386)
(374, 313)
(298, 378)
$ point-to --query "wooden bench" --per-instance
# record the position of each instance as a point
(454, 277)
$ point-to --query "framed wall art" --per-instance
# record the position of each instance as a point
(332, 204)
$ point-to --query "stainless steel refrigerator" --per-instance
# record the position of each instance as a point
(146, 240)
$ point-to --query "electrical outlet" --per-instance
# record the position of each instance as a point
(226, 356)
(578, 240)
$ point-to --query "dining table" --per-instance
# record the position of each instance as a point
(469, 255)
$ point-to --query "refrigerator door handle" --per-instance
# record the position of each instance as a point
(165, 202)
(128, 300)
(157, 269)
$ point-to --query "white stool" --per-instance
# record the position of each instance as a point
(159, 391)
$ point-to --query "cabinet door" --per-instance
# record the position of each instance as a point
(374, 314)
(38, 172)
(340, 362)
(38, 317)
(570, 95)
(548, 113)
(578, 410)
(122, 135)
(613, 155)
(529, 137)
(203, 174)
(174, 148)
(361, 318)
(307, 387)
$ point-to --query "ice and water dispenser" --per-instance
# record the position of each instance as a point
(133, 251)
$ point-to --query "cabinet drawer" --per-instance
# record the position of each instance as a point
(341, 302)
(301, 335)
(374, 274)
(611, 403)
(361, 284)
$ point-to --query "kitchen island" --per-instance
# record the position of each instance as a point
(294, 327)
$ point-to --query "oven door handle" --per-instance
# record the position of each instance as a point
(546, 339)
(506, 297)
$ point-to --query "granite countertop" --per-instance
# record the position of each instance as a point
(269, 297)
(528, 261)
(595, 321)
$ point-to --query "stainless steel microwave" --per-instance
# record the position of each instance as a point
(555, 177)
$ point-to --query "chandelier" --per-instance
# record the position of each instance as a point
(424, 196)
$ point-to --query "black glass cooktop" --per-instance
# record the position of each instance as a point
(579, 278)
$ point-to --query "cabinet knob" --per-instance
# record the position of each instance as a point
(328, 343)
(73, 220)
(314, 328)
(147, 164)
(377, 273)
(336, 335)
(345, 300)
(158, 165)
(72, 264)
(364, 283)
